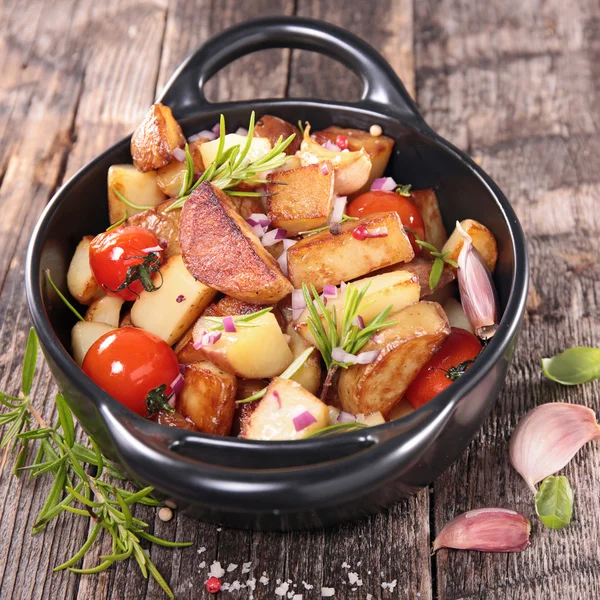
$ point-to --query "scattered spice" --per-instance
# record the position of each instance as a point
(375, 130)
(165, 514)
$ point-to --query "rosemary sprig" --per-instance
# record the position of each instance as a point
(231, 167)
(78, 475)
(241, 320)
(439, 259)
(336, 428)
(126, 202)
(62, 296)
(119, 222)
(344, 219)
(404, 190)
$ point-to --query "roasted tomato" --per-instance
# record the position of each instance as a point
(447, 365)
(124, 259)
(128, 363)
(378, 201)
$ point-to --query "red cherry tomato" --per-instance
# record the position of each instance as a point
(460, 346)
(127, 363)
(112, 253)
(377, 201)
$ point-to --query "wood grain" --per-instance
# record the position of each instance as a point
(514, 83)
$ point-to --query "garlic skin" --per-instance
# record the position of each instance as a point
(548, 437)
(485, 530)
(477, 291)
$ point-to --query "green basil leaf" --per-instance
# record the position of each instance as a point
(554, 502)
(31, 352)
(573, 366)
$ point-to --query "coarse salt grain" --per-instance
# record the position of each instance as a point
(251, 584)
(281, 590)
(264, 580)
(231, 567)
(327, 592)
(201, 549)
(246, 567)
(165, 514)
(216, 570)
(307, 586)
(202, 565)
(236, 585)
(369, 597)
(297, 597)
(345, 565)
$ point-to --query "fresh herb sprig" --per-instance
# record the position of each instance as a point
(126, 202)
(337, 428)
(439, 259)
(404, 190)
(240, 321)
(78, 473)
(344, 219)
(232, 167)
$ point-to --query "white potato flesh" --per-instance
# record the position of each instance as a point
(397, 289)
(456, 314)
(80, 279)
(138, 188)
(172, 309)
(256, 352)
(285, 400)
(309, 374)
(375, 418)
(258, 148)
(105, 310)
(83, 336)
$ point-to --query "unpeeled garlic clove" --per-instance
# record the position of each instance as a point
(477, 291)
(486, 530)
(548, 437)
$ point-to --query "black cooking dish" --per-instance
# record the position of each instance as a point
(317, 482)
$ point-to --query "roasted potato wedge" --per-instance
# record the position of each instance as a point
(301, 199)
(174, 419)
(421, 268)
(456, 315)
(352, 169)
(404, 349)
(397, 289)
(105, 310)
(153, 142)
(227, 256)
(483, 240)
(256, 352)
(247, 205)
(80, 279)
(285, 401)
(427, 203)
(163, 224)
(138, 188)
(172, 309)
(83, 336)
(170, 177)
(258, 147)
(378, 148)
(325, 258)
(208, 398)
(309, 374)
(273, 128)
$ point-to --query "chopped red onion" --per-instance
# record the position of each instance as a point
(324, 169)
(153, 249)
(303, 420)
(282, 262)
(272, 237)
(288, 243)
(277, 398)
(229, 325)
(258, 219)
(329, 291)
(377, 232)
(177, 384)
(180, 299)
(298, 303)
(163, 243)
(343, 286)
(364, 358)
(384, 184)
(206, 134)
(258, 230)
(359, 322)
(241, 131)
(217, 129)
(182, 369)
(207, 339)
(329, 145)
(339, 205)
(345, 417)
(172, 401)
(178, 154)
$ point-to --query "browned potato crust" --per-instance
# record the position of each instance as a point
(155, 138)
(247, 205)
(404, 348)
(241, 420)
(427, 203)
(174, 419)
(208, 398)
(220, 250)
(271, 127)
(164, 225)
(421, 267)
(325, 258)
(231, 306)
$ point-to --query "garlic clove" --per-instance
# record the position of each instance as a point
(548, 437)
(485, 530)
(477, 291)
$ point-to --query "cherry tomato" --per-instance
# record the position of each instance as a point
(112, 253)
(377, 201)
(127, 363)
(460, 346)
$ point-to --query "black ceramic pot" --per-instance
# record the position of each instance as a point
(312, 483)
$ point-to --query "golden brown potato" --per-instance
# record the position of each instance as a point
(301, 198)
(171, 310)
(227, 255)
(378, 148)
(170, 177)
(427, 203)
(272, 128)
(153, 142)
(404, 349)
(208, 398)
(309, 374)
(247, 205)
(83, 336)
(285, 400)
(105, 310)
(138, 188)
(80, 279)
(483, 240)
(163, 224)
(244, 411)
(256, 352)
(421, 268)
(325, 258)
(174, 419)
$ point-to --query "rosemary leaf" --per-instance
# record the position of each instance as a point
(29, 362)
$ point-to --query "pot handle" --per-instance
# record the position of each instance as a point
(230, 473)
(184, 91)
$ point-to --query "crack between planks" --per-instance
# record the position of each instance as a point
(162, 50)
(288, 79)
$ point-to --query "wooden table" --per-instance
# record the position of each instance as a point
(515, 84)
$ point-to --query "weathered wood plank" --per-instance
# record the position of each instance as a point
(514, 87)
